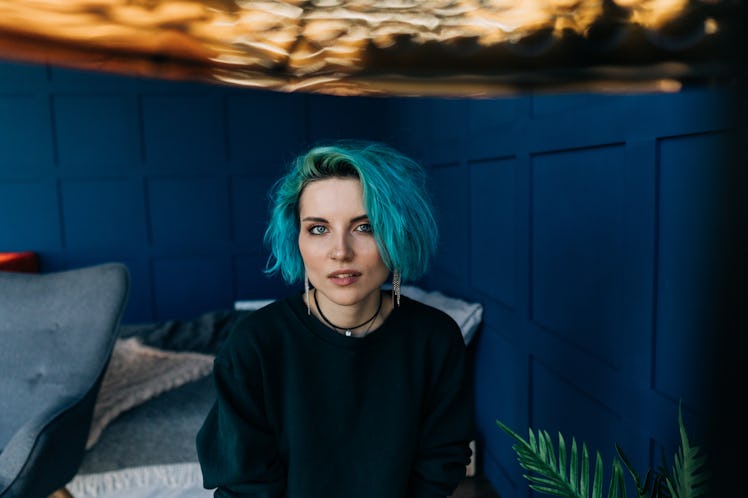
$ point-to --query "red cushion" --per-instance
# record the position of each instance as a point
(24, 262)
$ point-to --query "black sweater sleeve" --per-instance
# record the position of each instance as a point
(447, 427)
(236, 447)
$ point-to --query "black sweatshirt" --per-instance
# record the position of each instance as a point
(305, 412)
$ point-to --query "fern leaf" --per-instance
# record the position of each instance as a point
(597, 480)
(584, 479)
(549, 491)
(688, 476)
(617, 484)
(549, 474)
(534, 457)
(547, 485)
(662, 486)
(561, 455)
(550, 456)
(574, 466)
(543, 448)
(541, 481)
(642, 489)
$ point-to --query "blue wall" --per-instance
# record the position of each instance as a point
(169, 178)
(584, 224)
(588, 226)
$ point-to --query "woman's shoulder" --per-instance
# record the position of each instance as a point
(435, 322)
(419, 309)
(258, 329)
(266, 313)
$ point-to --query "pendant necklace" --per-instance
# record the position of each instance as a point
(347, 330)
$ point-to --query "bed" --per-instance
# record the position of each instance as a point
(158, 389)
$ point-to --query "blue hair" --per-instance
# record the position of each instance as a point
(395, 198)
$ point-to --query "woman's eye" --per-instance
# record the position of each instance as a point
(365, 227)
(317, 229)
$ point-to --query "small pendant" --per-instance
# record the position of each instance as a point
(347, 333)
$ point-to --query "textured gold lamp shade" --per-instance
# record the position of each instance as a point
(359, 47)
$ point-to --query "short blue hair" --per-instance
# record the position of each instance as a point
(395, 198)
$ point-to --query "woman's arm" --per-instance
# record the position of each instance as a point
(447, 428)
(236, 447)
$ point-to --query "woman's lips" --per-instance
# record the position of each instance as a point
(344, 278)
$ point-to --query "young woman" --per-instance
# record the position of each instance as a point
(343, 390)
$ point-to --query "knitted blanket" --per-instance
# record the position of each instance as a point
(137, 373)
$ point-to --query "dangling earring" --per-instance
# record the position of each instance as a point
(396, 288)
(306, 290)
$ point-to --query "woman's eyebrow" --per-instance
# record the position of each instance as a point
(322, 220)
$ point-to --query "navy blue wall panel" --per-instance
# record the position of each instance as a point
(29, 214)
(183, 131)
(89, 139)
(189, 212)
(493, 220)
(588, 224)
(333, 117)
(577, 258)
(104, 213)
(249, 196)
(204, 284)
(563, 406)
(501, 392)
(688, 259)
(279, 119)
(26, 140)
(450, 190)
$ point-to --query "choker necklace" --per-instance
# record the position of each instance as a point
(347, 329)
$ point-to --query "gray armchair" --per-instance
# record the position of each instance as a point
(57, 332)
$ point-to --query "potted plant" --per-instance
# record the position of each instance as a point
(555, 475)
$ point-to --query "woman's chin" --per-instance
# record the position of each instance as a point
(347, 295)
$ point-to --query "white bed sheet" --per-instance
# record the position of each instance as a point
(182, 480)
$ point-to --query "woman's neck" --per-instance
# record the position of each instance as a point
(357, 319)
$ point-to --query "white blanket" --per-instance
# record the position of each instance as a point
(158, 481)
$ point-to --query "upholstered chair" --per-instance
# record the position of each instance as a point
(57, 333)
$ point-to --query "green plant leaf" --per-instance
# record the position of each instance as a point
(533, 456)
(549, 474)
(585, 477)
(561, 455)
(688, 478)
(573, 465)
(597, 480)
(550, 453)
(617, 481)
(643, 490)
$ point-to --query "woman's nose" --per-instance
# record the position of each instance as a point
(342, 249)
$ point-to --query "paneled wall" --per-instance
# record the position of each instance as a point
(588, 227)
(169, 178)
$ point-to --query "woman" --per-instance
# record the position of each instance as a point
(340, 390)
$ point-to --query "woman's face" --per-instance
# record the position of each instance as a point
(337, 242)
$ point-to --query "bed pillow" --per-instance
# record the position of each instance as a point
(468, 315)
(137, 373)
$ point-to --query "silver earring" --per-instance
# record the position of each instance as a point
(396, 288)
(306, 290)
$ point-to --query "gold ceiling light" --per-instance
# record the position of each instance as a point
(361, 47)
